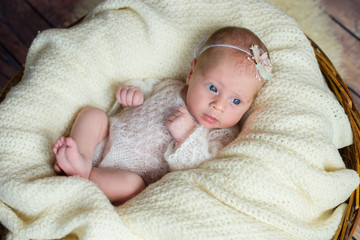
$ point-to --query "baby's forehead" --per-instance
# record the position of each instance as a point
(219, 54)
(226, 56)
(243, 81)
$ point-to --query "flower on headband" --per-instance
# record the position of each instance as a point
(263, 64)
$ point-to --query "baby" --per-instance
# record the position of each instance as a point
(181, 125)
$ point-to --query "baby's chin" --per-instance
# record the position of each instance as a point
(218, 125)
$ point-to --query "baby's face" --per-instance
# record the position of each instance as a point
(220, 91)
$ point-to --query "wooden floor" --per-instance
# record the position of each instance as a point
(21, 20)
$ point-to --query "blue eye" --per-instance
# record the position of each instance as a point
(236, 101)
(212, 88)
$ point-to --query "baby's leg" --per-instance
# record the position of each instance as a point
(118, 185)
(74, 154)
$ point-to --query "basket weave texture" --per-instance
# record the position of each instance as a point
(349, 154)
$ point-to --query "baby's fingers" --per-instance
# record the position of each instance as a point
(137, 98)
(171, 118)
(126, 94)
(129, 96)
(183, 110)
(176, 114)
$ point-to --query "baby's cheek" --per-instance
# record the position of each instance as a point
(233, 119)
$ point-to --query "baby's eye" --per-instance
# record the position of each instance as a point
(235, 101)
(212, 88)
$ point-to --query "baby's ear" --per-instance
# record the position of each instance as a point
(191, 71)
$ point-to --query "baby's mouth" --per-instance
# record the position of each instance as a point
(209, 119)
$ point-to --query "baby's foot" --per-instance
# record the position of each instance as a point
(69, 159)
(58, 144)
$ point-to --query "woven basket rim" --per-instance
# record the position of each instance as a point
(350, 154)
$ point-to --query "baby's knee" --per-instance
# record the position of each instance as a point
(135, 184)
(92, 115)
(93, 112)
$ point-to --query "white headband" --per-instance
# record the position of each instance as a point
(223, 45)
(262, 62)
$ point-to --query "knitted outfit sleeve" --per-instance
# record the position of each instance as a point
(200, 146)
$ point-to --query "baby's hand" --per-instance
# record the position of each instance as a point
(129, 96)
(180, 125)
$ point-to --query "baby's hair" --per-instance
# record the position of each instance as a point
(238, 36)
(242, 40)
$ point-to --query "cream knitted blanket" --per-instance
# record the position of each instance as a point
(282, 178)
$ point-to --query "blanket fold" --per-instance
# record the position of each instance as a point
(282, 178)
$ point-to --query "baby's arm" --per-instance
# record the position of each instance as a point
(203, 144)
(180, 125)
(129, 96)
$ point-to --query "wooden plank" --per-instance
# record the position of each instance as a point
(350, 56)
(19, 25)
(12, 43)
(58, 13)
(357, 233)
(8, 67)
(345, 12)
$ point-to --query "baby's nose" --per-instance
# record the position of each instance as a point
(218, 104)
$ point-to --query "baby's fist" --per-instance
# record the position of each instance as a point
(180, 125)
(129, 96)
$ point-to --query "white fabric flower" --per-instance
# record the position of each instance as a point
(262, 62)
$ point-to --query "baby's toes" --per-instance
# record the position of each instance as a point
(70, 142)
(55, 149)
(60, 141)
(58, 144)
(61, 160)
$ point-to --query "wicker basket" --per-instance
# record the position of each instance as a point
(349, 154)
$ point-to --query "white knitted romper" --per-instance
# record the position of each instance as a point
(139, 139)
